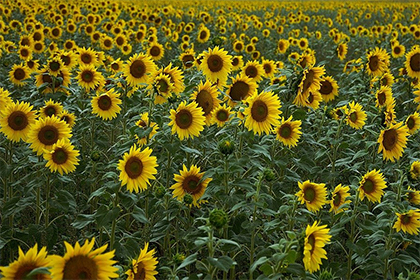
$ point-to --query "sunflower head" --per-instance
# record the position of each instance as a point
(392, 141)
(408, 222)
(187, 120)
(144, 267)
(312, 194)
(371, 186)
(316, 237)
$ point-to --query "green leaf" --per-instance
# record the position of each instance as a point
(187, 261)
(65, 201)
(105, 216)
(406, 259)
(189, 150)
(230, 242)
(37, 271)
(266, 269)
(83, 220)
(140, 215)
(257, 263)
(223, 263)
(2, 243)
(297, 269)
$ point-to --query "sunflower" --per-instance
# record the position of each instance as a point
(338, 113)
(16, 121)
(144, 267)
(18, 74)
(307, 60)
(187, 58)
(392, 141)
(342, 51)
(68, 118)
(237, 62)
(156, 51)
(372, 185)
(203, 34)
(89, 78)
(68, 58)
(398, 50)
(162, 86)
(25, 53)
(62, 157)
(313, 100)
(206, 98)
(263, 112)
(137, 69)
(238, 46)
(240, 89)
(387, 79)
(413, 122)
(356, 117)
(413, 196)
(389, 114)
(282, 45)
(311, 82)
(106, 105)
(33, 65)
(269, 67)
(329, 89)
(312, 194)
(412, 63)
(20, 268)
(415, 170)
(144, 124)
(216, 64)
(253, 70)
(221, 115)
(288, 132)
(81, 262)
(5, 99)
(137, 168)
(50, 108)
(87, 57)
(408, 222)
(384, 96)
(176, 77)
(187, 120)
(316, 237)
(106, 43)
(46, 132)
(190, 182)
(377, 62)
(54, 66)
(339, 196)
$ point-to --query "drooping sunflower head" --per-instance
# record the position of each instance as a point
(371, 186)
(190, 181)
(412, 62)
(316, 237)
(50, 108)
(240, 89)
(356, 117)
(377, 62)
(187, 121)
(312, 194)
(26, 262)
(263, 112)
(82, 262)
(392, 141)
(288, 132)
(138, 68)
(16, 120)
(206, 98)
(408, 222)
(339, 198)
(144, 267)
(46, 132)
(216, 64)
(329, 89)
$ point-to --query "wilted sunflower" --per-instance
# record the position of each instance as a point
(190, 182)
(371, 185)
(240, 89)
(263, 112)
(312, 194)
(253, 70)
(187, 120)
(138, 68)
(342, 51)
(50, 108)
(415, 170)
(216, 64)
(412, 63)
(392, 141)
(144, 267)
(413, 196)
(206, 98)
(377, 62)
(384, 96)
(20, 268)
(106, 105)
(221, 115)
(356, 117)
(89, 78)
(144, 124)
(137, 168)
(45, 132)
(288, 132)
(16, 121)
(329, 89)
(19, 74)
(408, 222)
(62, 157)
(316, 237)
(413, 122)
(339, 196)
(81, 262)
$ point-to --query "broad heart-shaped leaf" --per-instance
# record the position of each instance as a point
(223, 263)
(187, 261)
(139, 215)
(105, 216)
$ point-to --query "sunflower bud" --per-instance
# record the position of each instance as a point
(160, 192)
(95, 156)
(269, 174)
(326, 275)
(226, 146)
(178, 258)
(218, 218)
(188, 199)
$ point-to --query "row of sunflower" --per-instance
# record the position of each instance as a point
(222, 105)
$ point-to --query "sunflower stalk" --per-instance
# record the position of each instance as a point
(114, 222)
(352, 236)
(47, 196)
(254, 220)
(335, 150)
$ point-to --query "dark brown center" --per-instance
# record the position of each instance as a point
(17, 120)
(133, 167)
(104, 102)
(259, 111)
(390, 138)
(215, 63)
(239, 91)
(184, 119)
(48, 135)
(415, 62)
(137, 69)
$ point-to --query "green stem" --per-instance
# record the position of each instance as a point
(47, 196)
(226, 178)
(114, 223)
(254, 220)
(352, 236)
(335, 150)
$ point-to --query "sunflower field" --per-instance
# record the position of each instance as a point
(209, 140)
